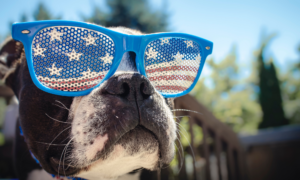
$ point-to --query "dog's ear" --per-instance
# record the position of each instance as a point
(10, 57)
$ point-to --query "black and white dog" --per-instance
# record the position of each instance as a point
(121, 126)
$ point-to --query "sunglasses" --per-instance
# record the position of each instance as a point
(70, 58)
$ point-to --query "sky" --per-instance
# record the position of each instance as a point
(226, 23)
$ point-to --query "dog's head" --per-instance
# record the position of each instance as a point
(122, 125)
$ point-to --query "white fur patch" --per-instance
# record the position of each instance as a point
(80, 112)
(98, 145)
(119, 163)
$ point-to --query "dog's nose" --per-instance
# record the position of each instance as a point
(132, 86)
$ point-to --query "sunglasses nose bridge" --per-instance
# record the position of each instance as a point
(132, 43)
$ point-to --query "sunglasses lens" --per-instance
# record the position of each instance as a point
(172, 64)
(67, 58)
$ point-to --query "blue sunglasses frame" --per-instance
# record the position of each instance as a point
(25, 32)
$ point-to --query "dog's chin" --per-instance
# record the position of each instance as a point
(138, 148)
(138, 139)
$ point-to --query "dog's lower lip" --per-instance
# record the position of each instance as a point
(101, 154)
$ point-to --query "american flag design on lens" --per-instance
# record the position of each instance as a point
(67, 58)
(172, 64)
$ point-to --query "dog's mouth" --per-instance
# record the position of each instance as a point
(138, 139)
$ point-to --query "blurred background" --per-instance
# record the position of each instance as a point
(248, 93)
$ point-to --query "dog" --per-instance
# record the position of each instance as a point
(118, 128)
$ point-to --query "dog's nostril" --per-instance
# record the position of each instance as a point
(129, 86)
(144, 91)
(126, 90)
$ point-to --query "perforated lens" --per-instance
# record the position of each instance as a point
(172, 64)
(70, 58)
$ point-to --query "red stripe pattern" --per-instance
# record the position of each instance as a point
(87, 81)
(172, 64)
(172, 78)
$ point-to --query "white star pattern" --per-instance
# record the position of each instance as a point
(73, 55)
(88, 73)
(107, 58)
(189, 43)
(178, 57)
(54, 34)
(164, 41)
(151, 53)
(39, 50)
(54, 70)
(90, 40)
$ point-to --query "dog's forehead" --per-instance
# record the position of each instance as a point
(128, 60)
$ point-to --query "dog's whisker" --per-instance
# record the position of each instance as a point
(179, 125)
(64, 106)
(56, 119)
(70, 165)
(58, 135)
(121, 125)
(117, 129)
(68, 136)
(50, 144)
(62, 154)
(193, 154)
(181, 155)
(190, 146)
(178, 131)
(60, 160)
(182, 152)
(187, 111)
(176, 155)
(66, 151)
(60, 106)
(177, 117)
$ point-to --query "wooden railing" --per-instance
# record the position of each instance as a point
(219, 141)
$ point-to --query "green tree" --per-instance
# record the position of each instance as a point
(269, 91)
(135, 14)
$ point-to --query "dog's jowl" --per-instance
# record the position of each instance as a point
(120, 126)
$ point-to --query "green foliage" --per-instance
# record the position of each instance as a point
(230, 98)
(291, 89)
(134, 14)
(255, 101)
(2, 139)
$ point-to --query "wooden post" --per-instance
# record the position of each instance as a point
(206, 153)
(191, 123)
(218, 151)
